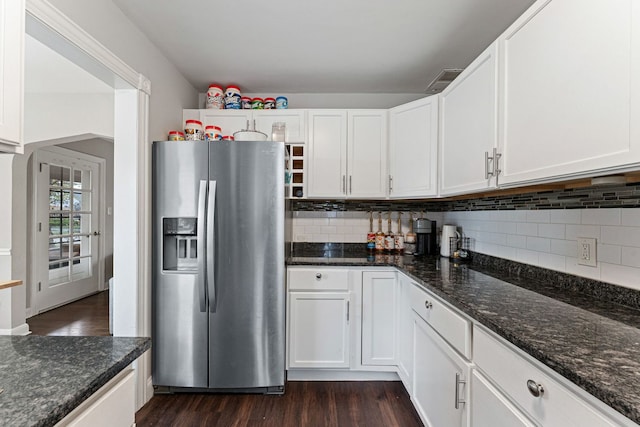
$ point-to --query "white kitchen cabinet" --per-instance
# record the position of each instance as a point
(12, 21)
(379, 316)
(440, 375)
(294, 121)
(413, 149)
(570, 90)
(468, 127)
(347, 153)
(405, 332)
(489, 408)
(229, 121)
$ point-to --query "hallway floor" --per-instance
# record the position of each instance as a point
(86, 317)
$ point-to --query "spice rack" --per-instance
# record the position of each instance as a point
(295, 184)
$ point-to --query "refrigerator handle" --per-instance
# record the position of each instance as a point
(211, 239)
(201, 281)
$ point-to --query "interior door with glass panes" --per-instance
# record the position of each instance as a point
(67, 228)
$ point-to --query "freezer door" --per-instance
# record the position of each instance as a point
(247, 295)
(179, 311)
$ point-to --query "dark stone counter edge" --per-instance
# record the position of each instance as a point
(80, 396)
(615, 401)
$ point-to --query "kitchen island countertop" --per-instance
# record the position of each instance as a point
(593, 343)
(44, 378)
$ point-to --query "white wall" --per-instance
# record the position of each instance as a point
(170, 91)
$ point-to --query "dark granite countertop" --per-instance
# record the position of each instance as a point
(44, 378)
(592, 342)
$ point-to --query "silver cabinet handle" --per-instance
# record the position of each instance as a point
(350, 188)
(486, 165)
(428, 305)
(318, 276)
(535, 389)
(344, 184)
(348, 310)
(458, 401)
(390, 183)
(496, 164)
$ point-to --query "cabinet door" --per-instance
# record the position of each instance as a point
(12, 16)
(367, 154)
(468, 126)
(489, 408)
(327, 161)
(570, 99)
(438, 374)
(294, 120)
(405, 333)
(318, 330)
(230, 121)
(379, 305)
(413, 149)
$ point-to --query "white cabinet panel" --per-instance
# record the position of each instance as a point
(468, 126)
(327, 162)
(413, 149)
(12, 19)
(570, 90)
(293, 119)
(229, 121)
(318, 330)
(405, 332)
(379, 305)
(439, 379)
(367, 153)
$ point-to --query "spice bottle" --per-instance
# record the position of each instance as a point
(380, 235)
(371, 236)
(389, 237)
(399, 238)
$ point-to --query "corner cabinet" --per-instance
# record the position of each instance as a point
(347, 154)
(413, 149)
(379, 314)
(468, 127)
(570, 100)
(12, 22)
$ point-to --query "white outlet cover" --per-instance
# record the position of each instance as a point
(586, 252)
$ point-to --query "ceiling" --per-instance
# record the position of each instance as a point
(330, 46)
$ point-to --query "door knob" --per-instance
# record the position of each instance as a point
(96, 233)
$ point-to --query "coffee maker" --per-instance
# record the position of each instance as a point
(426, 240)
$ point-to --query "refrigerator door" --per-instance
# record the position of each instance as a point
(179, 311)
(247, 295)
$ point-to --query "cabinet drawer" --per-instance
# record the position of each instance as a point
(556, 406)
(450, 325)
(324, 279)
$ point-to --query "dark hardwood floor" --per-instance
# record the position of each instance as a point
(305, 404)
(86, 317)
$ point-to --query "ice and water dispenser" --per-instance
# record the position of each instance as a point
(180, 244)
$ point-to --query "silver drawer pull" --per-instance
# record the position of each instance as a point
(535, 389)
(428, 305)
(318, 276)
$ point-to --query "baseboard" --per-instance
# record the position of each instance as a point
(28, 312)
(18, 330)
(149, 393)
(336, 375)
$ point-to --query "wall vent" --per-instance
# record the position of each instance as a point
(443, 79)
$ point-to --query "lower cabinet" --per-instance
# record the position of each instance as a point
(440, 379)
(405, 332)
(379, 314)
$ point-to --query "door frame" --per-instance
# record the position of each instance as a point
(132, 159)
(34, 217)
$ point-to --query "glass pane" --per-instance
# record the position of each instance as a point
(55, 200)
(66, 177)
(59, 273)
(77, 178)
(81, 201)
(58, 224)
(56, 249)
(79, 244)
(55, 175)
(81, 268)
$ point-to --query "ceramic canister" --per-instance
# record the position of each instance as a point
(215, 98)
(175, 135)
(212, 133)
(282, 103)
(193, 130)
(257, 104)
(246, 102)
(232, 98)
(269, 103)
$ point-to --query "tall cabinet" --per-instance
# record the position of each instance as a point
(12, 21)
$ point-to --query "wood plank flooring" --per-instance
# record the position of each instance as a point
(86, 317)
(305, 404)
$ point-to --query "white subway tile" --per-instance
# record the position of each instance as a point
(516, 241)
(527, 229)
(303, 221)
(518, 216)
(538, 244)
(321, 221)
(553, 231)
(601, 216)
(630, 217)
(608, 253)
(564, 247)
(312, 229)
(553, 262)
(319, 238)
(507, 252)
(621, 275)
(565, 216)
(336, 238)
(631, 257)
(508, 227)
(344, 229)
(527, 256)
(582, 270)
(623, 236)
(355, 238)
(302, 238)
(539, 216)
(336, 221)
(328, 229)
(575, 231)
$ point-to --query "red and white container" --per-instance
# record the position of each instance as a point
(212, 133)
(269, 103)
(215, 97)
(245, 101)
(227, 138)
(176, 135)
(232, 98)
(257, 104)
(193, 130)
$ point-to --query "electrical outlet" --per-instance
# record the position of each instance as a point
(587, 251)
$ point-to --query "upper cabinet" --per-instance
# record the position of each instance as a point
(570, 90)
(413, 149)
(347, 153)
(468, 127)
(12, 18)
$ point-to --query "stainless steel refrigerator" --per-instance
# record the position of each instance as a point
(218, 290)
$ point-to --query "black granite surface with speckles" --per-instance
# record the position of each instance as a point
(595, 343)
(44, 378)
